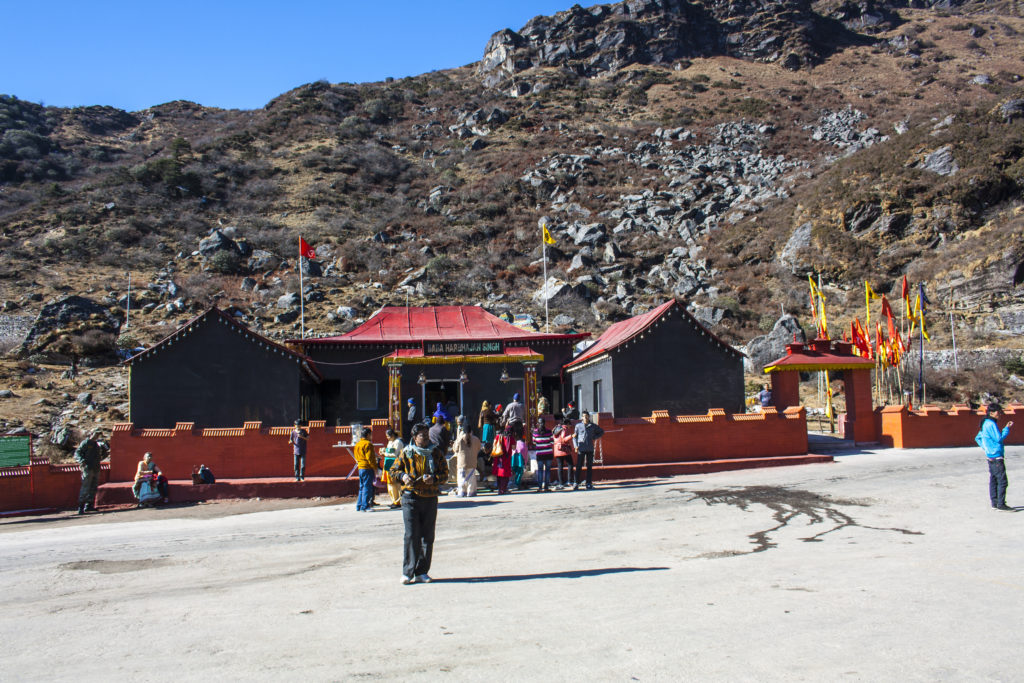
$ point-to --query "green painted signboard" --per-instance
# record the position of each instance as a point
(15, 450)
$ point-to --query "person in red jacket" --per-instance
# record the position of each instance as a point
(564, 454)
(501, 459)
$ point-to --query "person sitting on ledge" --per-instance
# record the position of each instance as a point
(145, 473)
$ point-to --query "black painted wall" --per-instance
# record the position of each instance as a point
(672, 368)
(214, 377)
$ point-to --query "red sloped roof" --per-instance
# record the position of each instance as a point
(401, 324)
(622, 332)
(819, 354)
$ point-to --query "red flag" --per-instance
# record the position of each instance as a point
(889, 319)
(860, 339)
(305, 250)
(906, 296)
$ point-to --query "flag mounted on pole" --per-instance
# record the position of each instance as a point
(545, 240)
(306, 251)
(906, 296)
(818, 309)
(548, 239)
(869, 295)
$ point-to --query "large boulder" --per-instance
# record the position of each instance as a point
(217, 241)
(792, 255)
(555, 289)
(263, 261)
(74, 318)
(772, 346)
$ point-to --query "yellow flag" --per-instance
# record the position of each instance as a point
(818, 308)
(869, 294)
(919, 317)
(548, 239)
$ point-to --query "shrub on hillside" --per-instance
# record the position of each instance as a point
(225, 262)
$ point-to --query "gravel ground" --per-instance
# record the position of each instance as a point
(883, 565)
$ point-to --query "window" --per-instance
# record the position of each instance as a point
(597, 397)
(366, 394)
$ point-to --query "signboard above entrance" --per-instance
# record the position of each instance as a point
(463, 348)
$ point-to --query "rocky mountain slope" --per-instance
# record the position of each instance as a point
(717, 152)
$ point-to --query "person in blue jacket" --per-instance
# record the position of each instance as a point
(990, 438)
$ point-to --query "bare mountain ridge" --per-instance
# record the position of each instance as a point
(719, 179)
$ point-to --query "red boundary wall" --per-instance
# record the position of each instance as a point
(252, 451)
(932, 427)
(663, 438)
(41, 485)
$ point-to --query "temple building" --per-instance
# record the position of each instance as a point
(661, 360)
(434, 354)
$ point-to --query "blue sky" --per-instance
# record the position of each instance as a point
(232, 54)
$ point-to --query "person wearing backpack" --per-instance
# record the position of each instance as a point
(990, 438)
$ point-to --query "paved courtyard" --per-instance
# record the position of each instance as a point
(886, 565)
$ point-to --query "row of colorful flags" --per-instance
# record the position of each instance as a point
(888, 346)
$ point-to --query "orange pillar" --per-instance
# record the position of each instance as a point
(395, 396)
(785, 389)
(860, 414)
(531, 399)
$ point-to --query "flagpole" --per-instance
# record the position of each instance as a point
(952, 332)
(544, 251)
(302, 296)
(920, 364)
(128, 305)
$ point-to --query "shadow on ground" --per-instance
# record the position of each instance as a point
(572, 574)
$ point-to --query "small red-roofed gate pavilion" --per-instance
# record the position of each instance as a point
(821, 355)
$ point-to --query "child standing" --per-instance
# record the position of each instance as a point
(519, 455)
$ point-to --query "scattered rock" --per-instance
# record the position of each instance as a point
(790, 254)
(289, 300)
(555, 289)
(940, 161)
(216, 241)
(1012, 109)
(263, 261)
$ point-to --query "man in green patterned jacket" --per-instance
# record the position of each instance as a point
(420, 468)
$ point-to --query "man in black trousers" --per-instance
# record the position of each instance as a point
(420, 467)
(584, 437)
